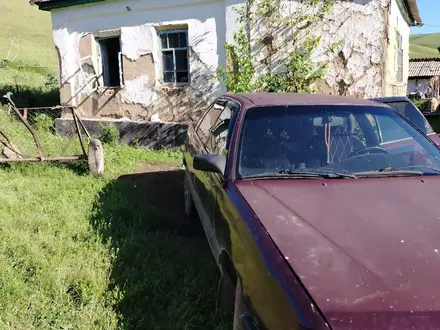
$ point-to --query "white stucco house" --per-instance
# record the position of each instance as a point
(138, 58)
(424, 77)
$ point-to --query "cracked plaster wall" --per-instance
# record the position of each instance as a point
(396, 23)
(362, 65)
(209, 24)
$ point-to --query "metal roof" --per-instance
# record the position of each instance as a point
(427, 67)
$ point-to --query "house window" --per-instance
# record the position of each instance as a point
(174, 48)
(399, 54)
(109, 50)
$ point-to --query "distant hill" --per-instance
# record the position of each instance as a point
(424, 45)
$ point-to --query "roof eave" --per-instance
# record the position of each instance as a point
(410, 12)
(56, 4)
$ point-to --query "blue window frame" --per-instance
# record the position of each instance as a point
(174, 49)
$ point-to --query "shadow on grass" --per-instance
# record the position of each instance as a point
(79, 167)
(162, 266)
(27, 96)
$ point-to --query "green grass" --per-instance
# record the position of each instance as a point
(424, 45)
(79, 252)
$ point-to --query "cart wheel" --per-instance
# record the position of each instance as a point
(96, 157)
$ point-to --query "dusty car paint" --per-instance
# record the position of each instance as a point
(294, 274)
(272, 292)
(337, 244)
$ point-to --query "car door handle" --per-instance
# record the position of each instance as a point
(249, 323)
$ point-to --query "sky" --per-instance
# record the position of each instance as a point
(429, 11)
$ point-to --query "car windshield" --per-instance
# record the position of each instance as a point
(410, 111)
(343, 141)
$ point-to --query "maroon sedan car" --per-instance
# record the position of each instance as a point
(315, 221)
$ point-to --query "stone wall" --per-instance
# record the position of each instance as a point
(151, 135)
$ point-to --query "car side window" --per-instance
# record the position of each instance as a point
(209, 118)
(389, 130)
(221, 130)
(373, 124)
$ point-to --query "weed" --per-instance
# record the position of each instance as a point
(109, 134)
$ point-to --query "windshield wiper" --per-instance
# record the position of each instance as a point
(299, 174)
(389, 172)
(283, 174)
(322, 173)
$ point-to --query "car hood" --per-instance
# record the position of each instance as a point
(367, 250)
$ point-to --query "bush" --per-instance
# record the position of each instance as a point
(43, 122)
(109, 134)
(422, 104)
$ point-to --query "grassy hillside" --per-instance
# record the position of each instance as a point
(29, 70)
(32, 31)
(424, 45)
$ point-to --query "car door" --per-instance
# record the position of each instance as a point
(219, 144)
(198, 142)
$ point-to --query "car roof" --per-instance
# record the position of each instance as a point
(264, 99)
(391, 99)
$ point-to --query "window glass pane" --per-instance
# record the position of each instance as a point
(373, 123)
(173, 40)
(220, 131)
(275, 138)
(168, 61)
(182, 76)
(182, 39)
(168, 76)
(390, 130)
(163, 40)
(209, 121)
(410, 111)
(181, 60)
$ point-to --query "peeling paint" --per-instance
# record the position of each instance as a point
(136, 41)
(144, 93)
(136, 92)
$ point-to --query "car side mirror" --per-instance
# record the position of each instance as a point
(210, 163)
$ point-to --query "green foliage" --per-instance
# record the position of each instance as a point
(240, 78)
(51, 81)
(109, 134)
(422, 104)
(295, 72)
(43, 122)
